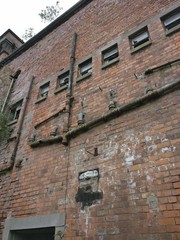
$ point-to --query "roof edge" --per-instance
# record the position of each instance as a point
(56, 23)
(10, 31)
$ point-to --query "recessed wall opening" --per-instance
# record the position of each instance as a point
(46, 227)
(33, 234)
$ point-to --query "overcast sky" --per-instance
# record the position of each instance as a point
(18, 15)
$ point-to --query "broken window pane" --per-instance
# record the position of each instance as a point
(63, 79)
(15, 110)
(85, 67)
(139, 38)
(44, 89)
(110, 54)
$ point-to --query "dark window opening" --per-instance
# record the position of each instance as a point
(34, 234)
(139, 38)
(7, 46)
(110, 54)
(63, 79)
(15, 111)
(85, 67)
(44, 89)
(171, 20)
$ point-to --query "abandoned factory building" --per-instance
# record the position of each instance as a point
(93, 105)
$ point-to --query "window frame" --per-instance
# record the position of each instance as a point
(63, 75)
(165, 17)
(14, 225)
(43, 95)
(87, 73)
(87, 65)
(15, 111)
(142, 43)
(44, 90)
(112, 53)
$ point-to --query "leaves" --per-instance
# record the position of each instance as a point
(5, 130)
(29, 33)
(50, 13)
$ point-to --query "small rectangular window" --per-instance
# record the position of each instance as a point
(15, 110)
(171, 21)
(63, 79)
(44, 89)
(85, 67)
(110, 54)
(139, 39)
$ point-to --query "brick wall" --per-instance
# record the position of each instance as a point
(138, 151)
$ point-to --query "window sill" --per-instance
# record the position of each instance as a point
(106, 65)
(146, 44)
(172, 30)
(12, 122)
(41, 99)
(85, 76)
(60, 89)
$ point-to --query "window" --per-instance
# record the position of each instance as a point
(32, 234)
(139, 39)
(46, 227)
(85, 67)
(110, 54)
(15, 111)
(43, 92)
(84, 70)
(7, 46)
(171, 21)
(63, 79)
(44, 89)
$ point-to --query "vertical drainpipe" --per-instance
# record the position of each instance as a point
(13, 156)
(69, 99)
(69, 90)
(21, 121)
(13, 79)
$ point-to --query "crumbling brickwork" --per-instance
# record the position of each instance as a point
(116, 174)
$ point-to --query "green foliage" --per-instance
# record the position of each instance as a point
(5, 130)
(47, 15)
(50, 13)
(29, 33)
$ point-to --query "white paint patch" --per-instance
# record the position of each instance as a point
(148, 138)
(129, 148)
(168, 149)
(86, 217)
(110, 148)
(152, 148)
(88, 174)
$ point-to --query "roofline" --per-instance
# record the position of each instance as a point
(10, 31)
(57, 22)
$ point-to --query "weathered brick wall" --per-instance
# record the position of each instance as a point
(137, 151)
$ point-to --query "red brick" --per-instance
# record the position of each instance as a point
(166, 221)
(176, 185)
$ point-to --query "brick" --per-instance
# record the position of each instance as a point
(171, 213)
(177, 220)
(173, 228)
(176, 185)
(176, 192)
(167, 221)
(172, 199)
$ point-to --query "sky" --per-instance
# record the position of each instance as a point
(19, 15)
